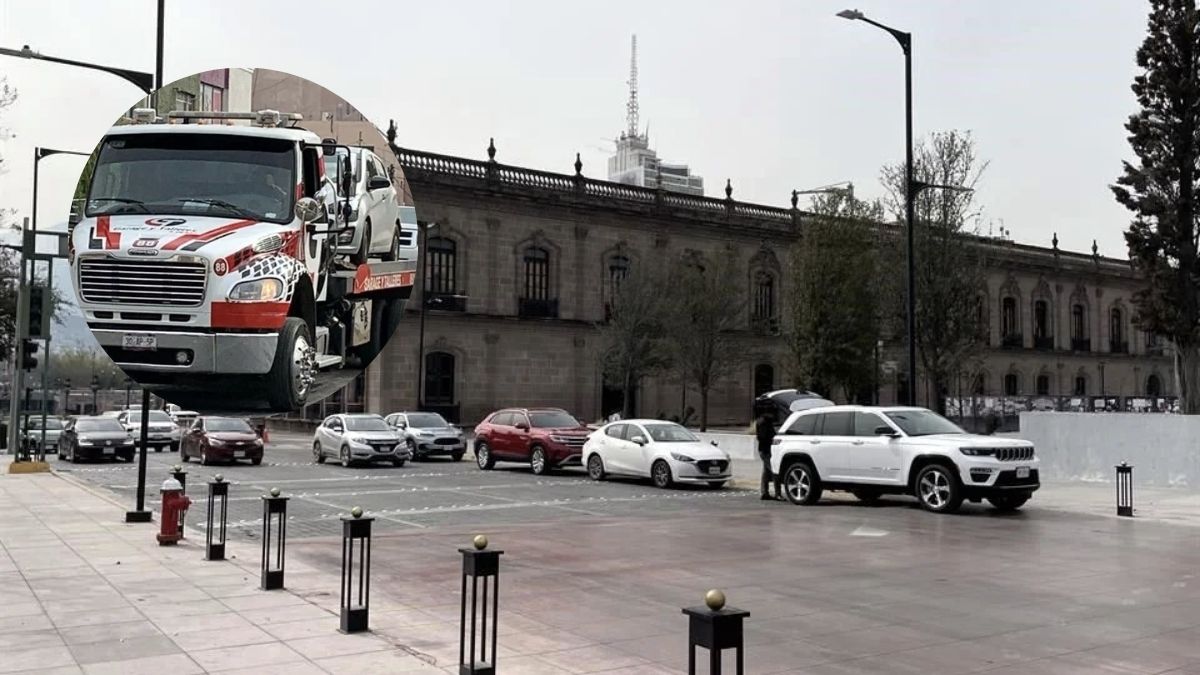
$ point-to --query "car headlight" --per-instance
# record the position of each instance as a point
(978, 452)
(258, 441)
(681, 458)
(216, 442)
(84, 440)
(560, 439)
(127, 441)
(269, 288)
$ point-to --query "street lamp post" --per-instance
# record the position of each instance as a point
(128, 392)
(424, 253)
(911, 189)
(878, 348)
(66, 387)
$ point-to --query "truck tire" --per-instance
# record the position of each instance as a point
(364, 245)
(290, 377)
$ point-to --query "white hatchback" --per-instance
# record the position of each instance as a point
(375, 221)
(663, 451)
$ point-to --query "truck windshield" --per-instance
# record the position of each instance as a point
(184, 174)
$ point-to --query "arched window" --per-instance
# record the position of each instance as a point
(762, 311)
(537, 274)
(979, 386)
(1043, 385)
(1078, 323)
(1041, 319)
(1011, 385)
(764, 379)
(1008, 317)
(1116, 331)
(439, 378)
(618, 271)
(441, 277)
(1080, 385)
(1153, 386)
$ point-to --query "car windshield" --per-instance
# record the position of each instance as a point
(366, 424)
(427, 421)
(99, 425)
(155, 416)
(670, 433)
(183, 174)
(227, 424)
(332, 163)
(923, 423)
(552, 420)
(51, 423)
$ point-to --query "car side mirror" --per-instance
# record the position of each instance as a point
(522, 426)
(714, 444)
(884, 430)
(308, 210)
(640, 440)
(378, 183)
(401, 425)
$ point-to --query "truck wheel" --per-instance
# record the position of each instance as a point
(364, 245)
(393, 252)
(292, 373)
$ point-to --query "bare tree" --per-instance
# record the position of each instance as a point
(705, 310)
(632, 338)
(949, 258)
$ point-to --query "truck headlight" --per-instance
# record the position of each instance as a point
(269, 288)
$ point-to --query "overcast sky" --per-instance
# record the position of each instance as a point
(773, 95)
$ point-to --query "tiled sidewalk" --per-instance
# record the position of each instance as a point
(83, 592)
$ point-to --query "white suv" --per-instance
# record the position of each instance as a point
(871, 451)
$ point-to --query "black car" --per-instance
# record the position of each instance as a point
(95, 438)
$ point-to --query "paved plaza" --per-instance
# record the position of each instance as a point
(594, 575)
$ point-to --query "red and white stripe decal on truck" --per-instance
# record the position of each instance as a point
(196, 240)
(104, 237)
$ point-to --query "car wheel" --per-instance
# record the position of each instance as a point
(1008, 503)
(175, 447)
(938, 490)
(74, 456)
(538, 461)
(412, 450)
(183, 456)
(364, 245)
(318, 456)
(457, 456)
(483, 457)
(61, 454)
(204, 461)
(398, 463)
(293, 370)
(393, 252)
(661, 473)
(595, 467)
(345, 456)
(801, 485)
(256, 461)
(869, 497)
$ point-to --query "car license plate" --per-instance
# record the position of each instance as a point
(1022, 472)
(108, 451)
(139, 341)
(714, 470)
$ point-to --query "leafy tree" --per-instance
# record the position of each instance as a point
(79, 365)
(1160, 189)
(949, 262)
(633, 336)
(704, 311)
(835, 298)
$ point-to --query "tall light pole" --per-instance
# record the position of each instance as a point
(911, 189)
(424, 253)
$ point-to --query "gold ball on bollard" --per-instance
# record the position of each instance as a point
(715, 599)
(356, 512)
(176, 468)
(274, 492)
(480, 542)
(219, 478)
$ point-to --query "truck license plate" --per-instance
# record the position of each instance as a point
(1022, 472)
(139, 341)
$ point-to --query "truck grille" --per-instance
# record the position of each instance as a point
(136, 282)
(1014, 454)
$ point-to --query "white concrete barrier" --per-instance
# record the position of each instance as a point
(739, 446)
(1164, 449)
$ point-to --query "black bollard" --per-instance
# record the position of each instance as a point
(180, 474)
(1124, 490)
(218, 489)
(714, 627)
(274, 513)
(355, 607)
(479, 563)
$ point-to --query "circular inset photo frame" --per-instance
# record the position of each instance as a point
(245, 242)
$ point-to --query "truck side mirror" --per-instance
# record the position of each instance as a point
(308, 210)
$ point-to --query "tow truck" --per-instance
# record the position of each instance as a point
(204, 257)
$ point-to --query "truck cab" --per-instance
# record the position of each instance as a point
(203, 253)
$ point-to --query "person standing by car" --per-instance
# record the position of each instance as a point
(764, 434)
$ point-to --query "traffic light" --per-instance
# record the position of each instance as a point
(38, 314)
(29, 350)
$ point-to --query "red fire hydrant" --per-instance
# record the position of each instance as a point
(174, 505)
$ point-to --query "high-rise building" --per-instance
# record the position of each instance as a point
(635, 163)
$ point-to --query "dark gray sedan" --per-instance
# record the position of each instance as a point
(428, 434)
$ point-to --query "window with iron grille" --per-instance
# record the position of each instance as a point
(441, 277)
(1041, 319)
(1153, 386)
(1078, 323)
(537, 274)
(1081, 386)
(1008, 316)
(1116, 326)
(439, 378)
(764, 297)
(1043, 385)
(1011, 384)
(618, 271)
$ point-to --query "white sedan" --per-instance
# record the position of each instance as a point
(663, 451)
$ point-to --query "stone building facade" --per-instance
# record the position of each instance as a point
(519, 265)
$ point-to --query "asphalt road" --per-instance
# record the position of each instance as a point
(430, 493)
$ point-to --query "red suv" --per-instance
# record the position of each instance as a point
(546, 438)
